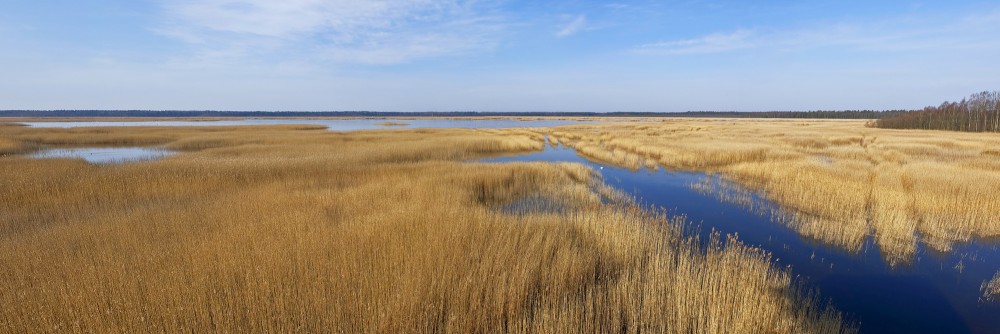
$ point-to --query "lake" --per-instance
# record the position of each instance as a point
(332, 124)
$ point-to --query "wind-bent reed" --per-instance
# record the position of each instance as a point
(991, 288)
(296, 229)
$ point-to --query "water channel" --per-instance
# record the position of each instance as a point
(936, 293)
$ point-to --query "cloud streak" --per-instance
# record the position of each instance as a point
(713, 43)
(573, 27)
(887, 36)
(360, 31)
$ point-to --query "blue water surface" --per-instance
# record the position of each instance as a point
(331, 124)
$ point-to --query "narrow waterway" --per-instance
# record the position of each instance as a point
(935, 293)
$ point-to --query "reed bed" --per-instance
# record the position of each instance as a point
(842, 181)
(8, 146)
(290, 229)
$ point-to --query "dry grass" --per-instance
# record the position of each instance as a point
(284, 229)
(842, 181)
(991, 288)
(8, 146)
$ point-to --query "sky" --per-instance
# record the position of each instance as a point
(472, 55)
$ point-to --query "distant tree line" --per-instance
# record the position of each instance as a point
(827, 114)
(845, 114)
(979, 112)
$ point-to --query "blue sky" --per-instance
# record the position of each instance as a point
(443, 55)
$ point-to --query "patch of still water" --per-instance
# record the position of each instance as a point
(104, 155)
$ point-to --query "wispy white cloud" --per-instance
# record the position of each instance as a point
(573, 27)
(900, 34)
(617, 6)
(364, 31)
(714, 43)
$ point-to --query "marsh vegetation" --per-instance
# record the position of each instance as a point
(935, 293)
(991, 288)
(298, 229)
(839, 181)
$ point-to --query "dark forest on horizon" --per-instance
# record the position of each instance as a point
(979, 112)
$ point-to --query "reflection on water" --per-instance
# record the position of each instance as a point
(332, 124)
(105, 155)
(935, 293)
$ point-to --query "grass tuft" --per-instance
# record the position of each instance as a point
(991, 288)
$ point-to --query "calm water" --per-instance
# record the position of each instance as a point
(333, 125)
(927, 296)
(105, 155)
